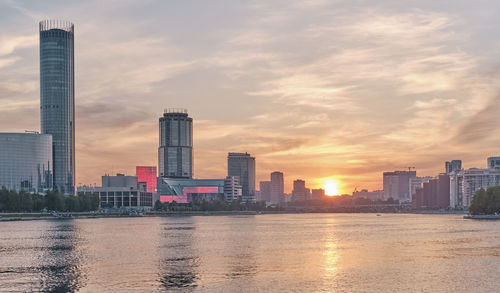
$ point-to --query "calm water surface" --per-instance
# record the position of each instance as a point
(263, 253)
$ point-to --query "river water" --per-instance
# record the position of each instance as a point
(261, 253)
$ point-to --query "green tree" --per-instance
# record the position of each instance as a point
(486, 201)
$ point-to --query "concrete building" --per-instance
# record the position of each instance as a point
(26, 161)
(243, 166)
(397, 185)
(121, 192)
(265, 191)
(371, 195)
(277, 187)
(452, 166)
(175, 151)
(416, 183)
(299, 192)
(183, 190)
(232, 188)
(434, 194)
(317, 194)
(57, 98)
(147, 174)
(464, 183)
(493, 163)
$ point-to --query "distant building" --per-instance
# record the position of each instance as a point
(416, 183)
(265, 191)
(433, 194)
(26, 161)
(121, 192)
(243, 166)
(147, 174)
(494, 163)
(317, 194)
(397, 185)
(277, 187)
(371, 195)
(299, 192)
(183, 190)
(57, 98)
(175, 153)
(232, 188)
(452, 166)
(465, 183)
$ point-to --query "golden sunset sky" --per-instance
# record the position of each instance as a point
(315, 89)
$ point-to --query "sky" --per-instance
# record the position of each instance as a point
(317, 89)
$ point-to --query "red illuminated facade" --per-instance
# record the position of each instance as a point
(147, 174)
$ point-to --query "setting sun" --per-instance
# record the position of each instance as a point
(331, 187)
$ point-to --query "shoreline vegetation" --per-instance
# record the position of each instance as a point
(25, 206)
(6, 217)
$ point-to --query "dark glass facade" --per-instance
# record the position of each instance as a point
(175, 153)
(57, 98)
(26, 161)
(243, 166)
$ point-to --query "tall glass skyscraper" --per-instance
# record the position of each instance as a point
(243, 166)
(175, 154)
(57, 98)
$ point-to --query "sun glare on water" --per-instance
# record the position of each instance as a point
(331, 187)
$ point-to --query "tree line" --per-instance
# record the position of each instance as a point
(215, 205)
(486, 202)
(22, 201)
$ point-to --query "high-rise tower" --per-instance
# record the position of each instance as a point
(243, 166)
(277, 187)
(57, 98)
(175, 153)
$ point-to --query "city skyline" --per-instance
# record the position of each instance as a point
(417, 88)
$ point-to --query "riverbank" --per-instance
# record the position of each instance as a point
(482, 217)
(5, 217)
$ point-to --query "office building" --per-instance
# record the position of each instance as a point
(121, 192)
(397, 185)
(183, 190)
(26, 161)
(147, 174)
(317, 194)
(299, 192)
(277, 187)
(454, 165)
(232, 188)
(57, 98)
(243, 166)
(175, 152)
(265, 191)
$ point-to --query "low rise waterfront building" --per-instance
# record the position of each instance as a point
(121, 191)
(371, 195)
(190, 190)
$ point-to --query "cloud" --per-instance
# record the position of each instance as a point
(482, 128)
(9, 44)
(316, 89)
